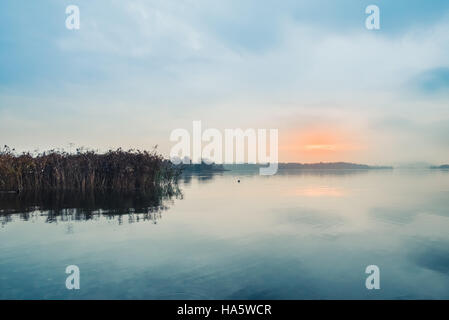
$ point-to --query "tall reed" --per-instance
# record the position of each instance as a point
(116, 170)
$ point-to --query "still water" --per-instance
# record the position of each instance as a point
(296, 235)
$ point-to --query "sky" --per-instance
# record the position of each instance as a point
(136, 70)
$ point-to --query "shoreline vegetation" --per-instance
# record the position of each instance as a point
(293, 166)
(444, 166)
(201, 167)
(331, 165)
(311, 166)
(204, 167)
(121, 171)
(115, 170)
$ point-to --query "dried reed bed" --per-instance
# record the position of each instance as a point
(115, 170)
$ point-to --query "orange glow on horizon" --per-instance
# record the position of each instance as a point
(318, 144)
(320, 191)
(328, 147)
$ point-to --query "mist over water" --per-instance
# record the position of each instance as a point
(296, 235)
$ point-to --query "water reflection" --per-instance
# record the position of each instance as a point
(79, 206)
(302, 235)
(206, 177)
(320, 191)
(432, 255)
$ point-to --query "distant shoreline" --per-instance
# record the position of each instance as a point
(330, 165)
(209, 168)
(310, 166)
(444, 166)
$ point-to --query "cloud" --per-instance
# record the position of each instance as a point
(230, 63)
(432, 81)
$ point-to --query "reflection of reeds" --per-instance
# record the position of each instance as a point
(74, 205)
(116, 170)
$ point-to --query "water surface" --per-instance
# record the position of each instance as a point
(296, 235)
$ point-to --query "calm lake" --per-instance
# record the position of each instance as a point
(295, 235)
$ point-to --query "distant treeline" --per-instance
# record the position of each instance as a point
(201, 167)
(204, 167)
(116, 170)
(444, 166)
(307, 166)
(329, 165)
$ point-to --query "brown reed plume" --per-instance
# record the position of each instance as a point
(116, 170)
